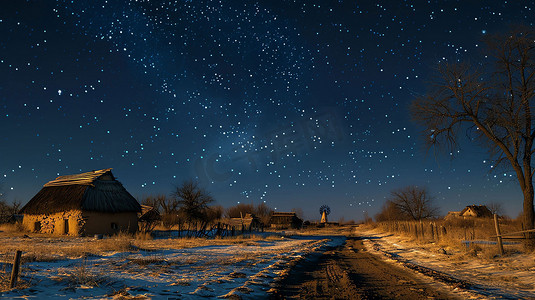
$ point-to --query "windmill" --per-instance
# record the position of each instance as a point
(324, 211)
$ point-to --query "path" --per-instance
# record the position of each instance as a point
(351, 272)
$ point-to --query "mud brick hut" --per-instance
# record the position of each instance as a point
(284, 220)
(82, 204)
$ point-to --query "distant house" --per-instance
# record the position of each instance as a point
(148, 218)
(82, 204)
(471, 211)
(248, 222)
(284, 220)
(477, 211)
(453, 214)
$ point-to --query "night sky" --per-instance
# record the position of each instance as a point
(291, 103)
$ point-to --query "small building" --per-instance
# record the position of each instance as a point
(285, 220)
(324, 217)
(471, 211)
(148, 218)
(452, 215)
(82, 204)
(249, 222)
(476, 211)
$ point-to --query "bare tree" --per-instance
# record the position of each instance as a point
(152, 201)
(367, 218)
(239, 210)
(263, 212)
(492, 102)
(168, 207)
(8, 210)
(16, 205)
(5, 211)
(413, 203)
(193, 200)
(298, 212)
(495, 208)
(390, 212)
(165, 204)
(214, 213)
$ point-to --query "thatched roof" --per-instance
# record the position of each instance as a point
(148, 213)
(284, 218)
(247, 221)
(81, 179)
(284, 214)
(92, 191)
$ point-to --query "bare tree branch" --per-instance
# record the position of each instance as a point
(495, 97)
(192, 201)
(408, 203)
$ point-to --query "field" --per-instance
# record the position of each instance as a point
(451, 230)
(479, 269)
(258, 266)
(125, 267)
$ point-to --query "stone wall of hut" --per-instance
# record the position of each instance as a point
(76, 222)
(68, 222)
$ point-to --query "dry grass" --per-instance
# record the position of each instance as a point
(5, 278)
(83, 275)
(43, 247)
(448, 234)
(121, 242)
(11, 230)
(143, 236)
(144, 261)
(124, 295)
(192, 242)
(39, 247)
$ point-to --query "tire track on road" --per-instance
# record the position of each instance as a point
(351, 272)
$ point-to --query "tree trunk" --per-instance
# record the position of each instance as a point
(529, 214)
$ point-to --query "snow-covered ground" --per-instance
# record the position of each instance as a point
(250, 268)
(488, 276)
(247, 270)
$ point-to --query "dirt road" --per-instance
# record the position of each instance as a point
(350, 272)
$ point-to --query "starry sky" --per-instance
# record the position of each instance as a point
(291, 103)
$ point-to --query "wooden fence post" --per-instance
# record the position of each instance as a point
(498, 234)
(15, 270)
(422, 229)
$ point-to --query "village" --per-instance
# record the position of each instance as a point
(87, 219)
(267, 149)
(95, 203)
